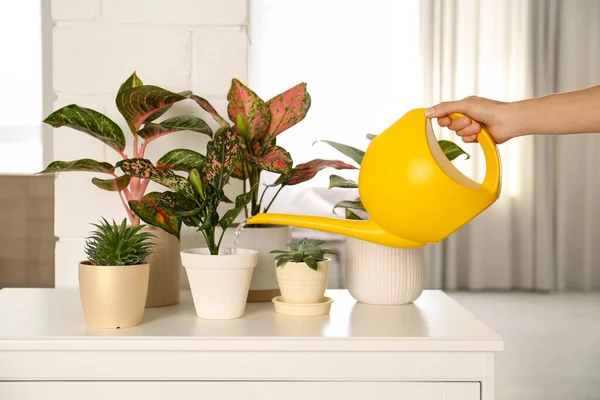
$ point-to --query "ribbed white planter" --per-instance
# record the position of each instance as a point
(383, 275)
(219, 283)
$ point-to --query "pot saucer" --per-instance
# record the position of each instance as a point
(302, 310)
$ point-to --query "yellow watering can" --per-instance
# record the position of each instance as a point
(413, 194)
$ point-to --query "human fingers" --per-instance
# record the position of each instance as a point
(444, 121)
(472, 129)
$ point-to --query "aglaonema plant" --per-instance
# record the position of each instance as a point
(195, 199)
(141, 106)
(353, 208)
(258, 123)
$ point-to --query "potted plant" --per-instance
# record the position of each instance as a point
(257, 123)
(377, 274)
(302, 275)
(113, 281)
(141, 106)
(219, 277)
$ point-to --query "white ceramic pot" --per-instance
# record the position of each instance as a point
(383, 275)
(299, 284)
(219, 283)
(263, 238)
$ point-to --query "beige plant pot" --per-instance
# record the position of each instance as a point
(165, 269)
(383, 275)
(299, 284)
(263, 239)
(113, 297)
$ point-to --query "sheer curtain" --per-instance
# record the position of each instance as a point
(540, 234)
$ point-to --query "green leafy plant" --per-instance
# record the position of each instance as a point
(304, 250)
(141, 106)
(450, 149)
(257, 123)
(195, 200)
(112, 244)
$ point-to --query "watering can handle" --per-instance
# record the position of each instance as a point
(492, 180)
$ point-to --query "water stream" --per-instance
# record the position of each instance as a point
(236, 238)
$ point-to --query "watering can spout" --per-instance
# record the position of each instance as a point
(364, 230)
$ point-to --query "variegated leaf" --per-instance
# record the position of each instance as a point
(143, 169)
(353, 153)
(288, 108)
(132, 81)
(85, 164)
(240, 202)
(91, 122)
(254, 110)
(149, 211)
(206, 106)
(304, 172)
(353, 204)
(178, 203)
(181, 160)
(277, 160)
(152, 131)
(222, 156)
(452, 150)
(336, 181)
(139, 103)
(112, 185)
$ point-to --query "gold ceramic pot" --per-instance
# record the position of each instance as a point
(113, 297)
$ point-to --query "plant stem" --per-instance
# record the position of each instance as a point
(244, 187)
(262, 195)
(273, 199)
(135, 221)
(142, 188)
(135, 145)
(254, 181)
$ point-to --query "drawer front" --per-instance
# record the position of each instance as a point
(240, 390)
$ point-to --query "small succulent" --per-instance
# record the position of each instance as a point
(112, 245)
(309, 252)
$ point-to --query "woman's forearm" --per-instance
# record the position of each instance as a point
(564, 113)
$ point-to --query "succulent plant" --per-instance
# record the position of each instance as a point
(304, 250)
(112, 244)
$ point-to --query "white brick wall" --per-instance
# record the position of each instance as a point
(198, 45)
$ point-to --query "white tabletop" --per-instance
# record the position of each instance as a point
(52, 319)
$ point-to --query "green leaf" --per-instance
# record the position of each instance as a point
(351, 215)
(306, 171)
(311, 262)
(132, 81)
(149, 211)
(143, 169)
(181, 160)
(452, 150)
(222, 156)
(355, 154)
(336, 181)
(85, 164)
(354, 204)
(91, 122)
(176, 202)
(240, 202)
(139, 103)
(112, 185)
(370, 136)
(151, 131)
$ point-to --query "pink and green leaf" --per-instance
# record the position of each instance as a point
(254, 110)
(306, 171)
(150, 211)
(112, 185)
(91, 122)
(288, 108)
(143, 169)
(206, 106)
(85, 164)
(152, 130)
(181, 160)
(277, 160)
(223, 154)
(178, 203)
(137, 104)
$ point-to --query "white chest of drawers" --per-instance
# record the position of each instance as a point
(431, 350)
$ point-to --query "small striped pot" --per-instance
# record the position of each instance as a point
(383, 275)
